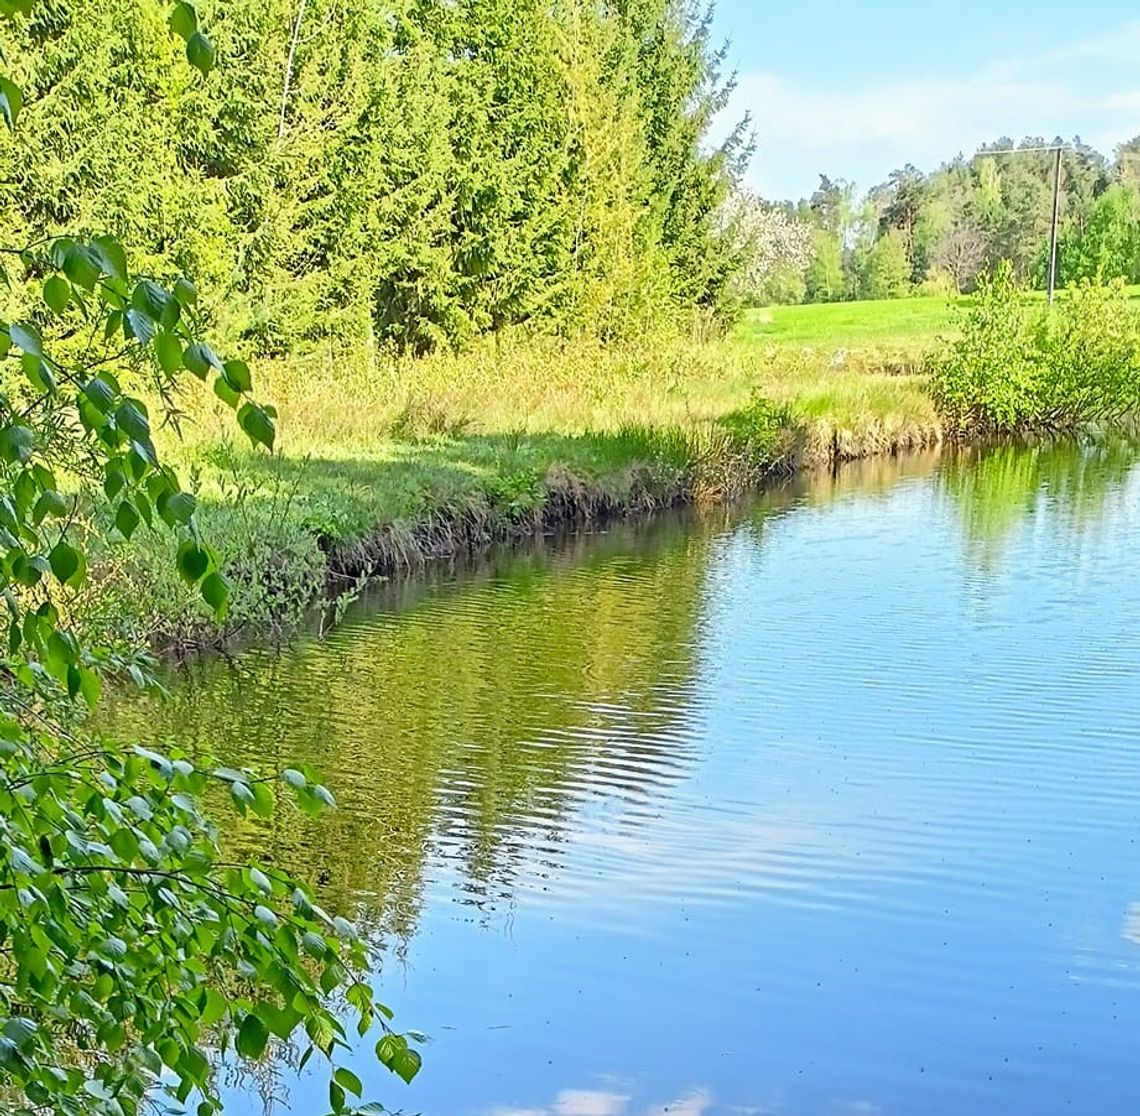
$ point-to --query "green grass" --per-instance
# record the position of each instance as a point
(383, 462)
(912, 323)
(902, 324)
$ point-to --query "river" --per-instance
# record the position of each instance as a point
(827, 804)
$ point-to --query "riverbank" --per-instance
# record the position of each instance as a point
(390, 464)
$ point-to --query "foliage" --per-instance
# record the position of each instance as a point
(1018, 365)
(776, 249)
(129, 947)
(416, 174)
(970, 214)
(888, 268)
(1106, 244)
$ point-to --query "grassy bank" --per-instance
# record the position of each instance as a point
(389, 463)
(386, 463)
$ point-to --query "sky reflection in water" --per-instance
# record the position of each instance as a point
(826, 806)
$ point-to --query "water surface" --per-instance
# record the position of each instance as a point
(829, 805)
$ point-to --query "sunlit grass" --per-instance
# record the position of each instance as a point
(896, 325)
(383, 461)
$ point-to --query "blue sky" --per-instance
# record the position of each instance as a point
(857, 89)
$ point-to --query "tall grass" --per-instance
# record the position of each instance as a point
(391, 460)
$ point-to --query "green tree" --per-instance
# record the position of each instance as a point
(888, 267)
(1106, 244)
(130, 948)
(824, 278)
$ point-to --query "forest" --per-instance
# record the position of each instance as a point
(412, 174)
(936, 233)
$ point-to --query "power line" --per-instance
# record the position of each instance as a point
(1055, 148)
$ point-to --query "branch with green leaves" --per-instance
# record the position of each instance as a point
(132, 954)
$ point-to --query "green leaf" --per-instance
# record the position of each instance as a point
(226, 393)
(261, 881)
(57, 293)
(17, 443)
(100, 393)
(111, 256)
(394, 1052)
(214, 1008)
(348, 1081)
(50, 502)
(294, 778)
(193, 561)
(39, 373)
(264, 915)
(126, 519)
(168, 351)
(81, 265)
(185, 292)
(237, 375)
(200, 52)
(11, 101)
(132, 420)
(200, 358)
(216, 593)
(183, 20)
(252, 1037)
(177, 508)
(156, 303)
(140, 326)
(257, 424)
(66, 562)
(25, 336)
(262, 801)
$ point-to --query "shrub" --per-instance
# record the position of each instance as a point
(1021, 366)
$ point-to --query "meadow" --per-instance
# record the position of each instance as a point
(388, 462)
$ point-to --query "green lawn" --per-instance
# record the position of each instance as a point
(894, 324)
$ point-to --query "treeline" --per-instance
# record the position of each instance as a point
(411, 173)
(938, 232)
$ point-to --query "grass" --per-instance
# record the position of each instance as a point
(903, 325)
(383, 463)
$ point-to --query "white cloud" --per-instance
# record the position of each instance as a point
(601, 1102)
(589, 1102)
(862, 133)
(696, 1103)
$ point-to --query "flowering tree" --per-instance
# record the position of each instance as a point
(776, 249)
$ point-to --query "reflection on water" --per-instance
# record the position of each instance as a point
(825, 805)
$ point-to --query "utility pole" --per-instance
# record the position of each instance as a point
(1053, 235)
(1058, 150)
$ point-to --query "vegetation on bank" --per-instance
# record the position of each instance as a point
(384, 465)
(1020, 366)
(412, 458)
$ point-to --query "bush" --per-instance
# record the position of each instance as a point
(1021, 366)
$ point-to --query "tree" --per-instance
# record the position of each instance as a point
(129, 946)
(888, 267)
(825, 272)
(1127, 169)
(776, 248)
(961, 253)
(1106, 245)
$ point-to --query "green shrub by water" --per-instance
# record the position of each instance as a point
(1018, 365)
